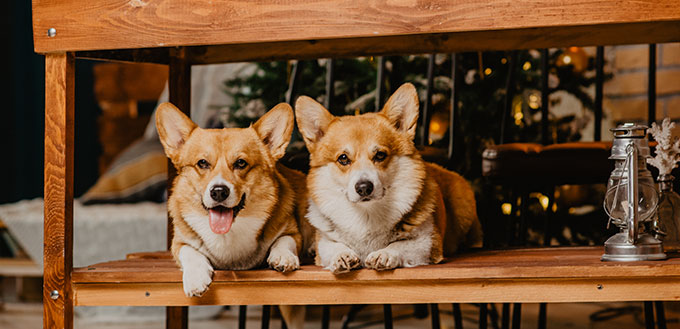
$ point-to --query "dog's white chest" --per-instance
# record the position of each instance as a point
(237, 249)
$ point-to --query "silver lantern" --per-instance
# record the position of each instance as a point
(631, 198)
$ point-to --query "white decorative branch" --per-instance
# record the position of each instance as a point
(668, 148)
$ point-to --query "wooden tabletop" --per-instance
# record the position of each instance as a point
(265, 30)
(527, 275)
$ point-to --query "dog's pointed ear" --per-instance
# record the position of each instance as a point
(312, 119)
(402, 109)
(275, 129)
(173, 128)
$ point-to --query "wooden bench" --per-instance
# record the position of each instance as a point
(181, 33)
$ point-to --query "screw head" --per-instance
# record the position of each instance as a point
(54, 294)
(51, 32)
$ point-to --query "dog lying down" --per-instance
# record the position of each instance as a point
(372, 199)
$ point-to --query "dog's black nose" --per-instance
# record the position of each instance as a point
(364, 188)
(219, 193)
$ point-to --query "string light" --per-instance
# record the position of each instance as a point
(487, 71)
(506, 208)
(526, 66)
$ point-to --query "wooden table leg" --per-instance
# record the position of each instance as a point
(58, 229)
(179, 85)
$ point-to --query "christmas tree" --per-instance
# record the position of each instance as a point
(481, 91)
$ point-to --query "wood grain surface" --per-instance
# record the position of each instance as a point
(566, 263)
(128, 24)
(58, 238)
(384, 292)
(528, 275)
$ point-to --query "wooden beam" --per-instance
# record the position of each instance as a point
(58, 227)
(383, 292)
(179, 85)
(109, 24)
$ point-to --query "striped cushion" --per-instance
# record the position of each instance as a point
(138, 174)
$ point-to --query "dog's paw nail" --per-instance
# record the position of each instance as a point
(285, 263)
(345, 262)
(382, 260)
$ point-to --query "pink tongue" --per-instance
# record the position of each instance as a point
(221, 219)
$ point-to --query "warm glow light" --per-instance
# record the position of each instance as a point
(566, 59)
(526, 66)
(554, 207)
(545, 201)
(506, 208)
(487, 71)
(504, 60)
(533, 101)
(435, 126)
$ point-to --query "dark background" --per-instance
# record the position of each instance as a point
(22, 122)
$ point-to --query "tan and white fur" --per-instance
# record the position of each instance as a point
(374, 202)
(232, 205)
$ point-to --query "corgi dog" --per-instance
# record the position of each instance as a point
(233, 206)
(372, 199)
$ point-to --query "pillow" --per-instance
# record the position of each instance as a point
(139, 173)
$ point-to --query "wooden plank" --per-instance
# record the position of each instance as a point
(179, 85)
(58, 227)
(122, 24)
(612, 34)
(16, 267)
(559, 263)
(385, 292)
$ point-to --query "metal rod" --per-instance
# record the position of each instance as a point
(633, 215)
(387, 313)
(266, 314)
(330, 83)
(599, 83)
(242, 310)
(453, 118)
(660, 315)
(545, 92)
(325, 317)
(427, 109)
(516, 315)
(649, 315)
(651, 89)
(505, 317)
(295, 73)
(380, 84)
(434, 308)
(542, 315)
(509, 93)
(457, 317)
(483, 316)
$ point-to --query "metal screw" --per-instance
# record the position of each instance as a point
(51, 32)
(600, 287)
(54, 294)
(147, 294)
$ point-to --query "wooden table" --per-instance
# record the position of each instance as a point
(185, 32)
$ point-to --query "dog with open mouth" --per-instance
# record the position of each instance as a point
(233, 206)
(372, 199)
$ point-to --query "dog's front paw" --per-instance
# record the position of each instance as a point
(196, 279)
(382, 260)
(344, 262)
(284, 262)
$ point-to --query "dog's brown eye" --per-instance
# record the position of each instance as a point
(203, 164)
(379, 156)
(240, 164)
(343, 159)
